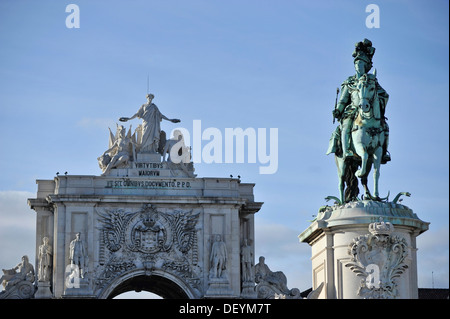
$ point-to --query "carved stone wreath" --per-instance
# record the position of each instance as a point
(379, 258)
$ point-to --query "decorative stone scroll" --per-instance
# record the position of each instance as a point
(379, 258)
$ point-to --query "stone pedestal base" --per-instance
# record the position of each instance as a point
(364, 250)
(78, 290)
(219, 288)
(43, 291)
(148, 157)
(248, 290)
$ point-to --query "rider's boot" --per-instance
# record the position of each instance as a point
(346, 147)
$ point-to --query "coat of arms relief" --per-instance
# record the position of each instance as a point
(148, 239)
(379, 258)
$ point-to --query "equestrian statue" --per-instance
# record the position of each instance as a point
(361, 139)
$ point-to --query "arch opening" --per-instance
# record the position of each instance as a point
(163, 287)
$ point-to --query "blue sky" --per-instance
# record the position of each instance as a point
(249, 64)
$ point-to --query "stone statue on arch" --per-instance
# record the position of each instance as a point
(218, 258)
(149, 140)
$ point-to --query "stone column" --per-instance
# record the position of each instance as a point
(365, 250)
(44, 229)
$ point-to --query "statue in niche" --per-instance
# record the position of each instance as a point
(151, 118)
(45, 260)
(218, 258)
(361, 140)
(247, 262)
(22, 272)
(77, 255)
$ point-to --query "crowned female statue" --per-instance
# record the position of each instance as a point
(151, 119)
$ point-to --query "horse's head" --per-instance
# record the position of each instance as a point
(366, 90)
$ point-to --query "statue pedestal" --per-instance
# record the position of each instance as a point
(248, 290)
(219, 288)
(43, 290)
(364, 250)
(148, 158)
(77, 289)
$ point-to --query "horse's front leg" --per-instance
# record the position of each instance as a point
(376, 169)
(342, 183)
(358, 143)
(362, 171)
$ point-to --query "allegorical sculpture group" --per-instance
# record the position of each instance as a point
(361, 140)
(148, 138)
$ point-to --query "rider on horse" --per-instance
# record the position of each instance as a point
(346, 108)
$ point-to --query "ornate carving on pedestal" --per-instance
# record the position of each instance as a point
(379, 258)
(148, 239)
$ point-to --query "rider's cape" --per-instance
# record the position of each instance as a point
(334, 146)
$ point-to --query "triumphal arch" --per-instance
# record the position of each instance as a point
(145, 222)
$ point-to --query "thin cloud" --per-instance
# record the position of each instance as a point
(97, 123)
(17, 228)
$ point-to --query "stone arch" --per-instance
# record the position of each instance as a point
(161, 283)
